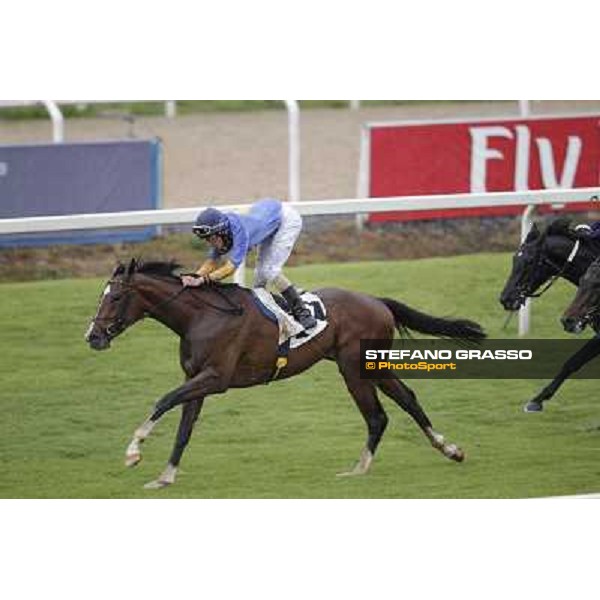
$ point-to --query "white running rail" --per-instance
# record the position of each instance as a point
(355, 206)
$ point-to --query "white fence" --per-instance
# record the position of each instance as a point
(185, 216)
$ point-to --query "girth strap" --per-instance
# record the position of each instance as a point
(282, 360)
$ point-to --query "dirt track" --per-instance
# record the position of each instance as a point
(232, 157)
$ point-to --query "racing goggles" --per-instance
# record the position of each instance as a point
(205, 231)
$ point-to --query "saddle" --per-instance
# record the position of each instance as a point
(291, 333)
(275, 308)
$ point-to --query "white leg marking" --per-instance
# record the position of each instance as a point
(451, 451)
(133, 454)
(166, 478)
(144, 430)
(362, 466)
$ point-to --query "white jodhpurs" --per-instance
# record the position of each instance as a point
(274, 251)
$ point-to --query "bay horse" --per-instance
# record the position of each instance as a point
(226, 342)
(558, 251)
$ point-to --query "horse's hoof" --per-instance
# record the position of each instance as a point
(358, 470)
(131, 460)
(350, 474)
(453, 452)
(533, 407)
(458, 455)
(156, 485)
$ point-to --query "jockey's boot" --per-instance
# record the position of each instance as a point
(299, 310)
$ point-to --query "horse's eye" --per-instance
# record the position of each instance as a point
(115, 298)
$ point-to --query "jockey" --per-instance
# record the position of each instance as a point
(592, 231)
(271, 225)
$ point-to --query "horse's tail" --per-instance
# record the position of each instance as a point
(408, 318)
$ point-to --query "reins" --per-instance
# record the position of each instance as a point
(234, 309)
(561, 270)
(165, 302)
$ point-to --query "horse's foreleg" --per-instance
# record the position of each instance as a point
(206, 382)
(405, 398)
(191, 395)
(189, 416)
(133, 454)
(365, 396)
(195, 389)
(590, 350)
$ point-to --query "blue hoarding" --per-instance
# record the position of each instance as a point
(74, 178)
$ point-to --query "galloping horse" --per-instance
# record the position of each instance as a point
(226, 342)
(558, 251)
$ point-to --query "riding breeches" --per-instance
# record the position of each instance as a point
(274, 251)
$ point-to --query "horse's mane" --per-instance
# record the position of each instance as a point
(158, 268)
(168, 270)
(562, 226)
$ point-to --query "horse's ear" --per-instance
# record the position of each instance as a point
(119, 269)
(131, 267)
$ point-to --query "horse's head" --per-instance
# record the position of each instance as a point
(540, 257)
(585, 307)
(525, 276)
(118, 308)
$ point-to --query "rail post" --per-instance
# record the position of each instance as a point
(525, 311)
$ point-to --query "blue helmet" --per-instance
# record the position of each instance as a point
(213, 222)
(210, 222)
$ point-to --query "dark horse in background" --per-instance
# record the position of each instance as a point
(560, 250)
(584, 310)
(226, 342)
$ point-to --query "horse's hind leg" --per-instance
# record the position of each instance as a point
(405, 398)
(364, 394)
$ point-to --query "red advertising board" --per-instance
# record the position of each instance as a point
(412, 159)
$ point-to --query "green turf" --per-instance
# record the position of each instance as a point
(68, 412)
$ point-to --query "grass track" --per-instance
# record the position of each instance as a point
(68, 412)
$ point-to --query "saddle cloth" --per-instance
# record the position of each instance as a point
(289, 328)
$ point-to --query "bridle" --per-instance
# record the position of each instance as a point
(119, 323)
(560, 270)
(591, 317)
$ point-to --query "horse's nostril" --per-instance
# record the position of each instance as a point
(569, 323)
